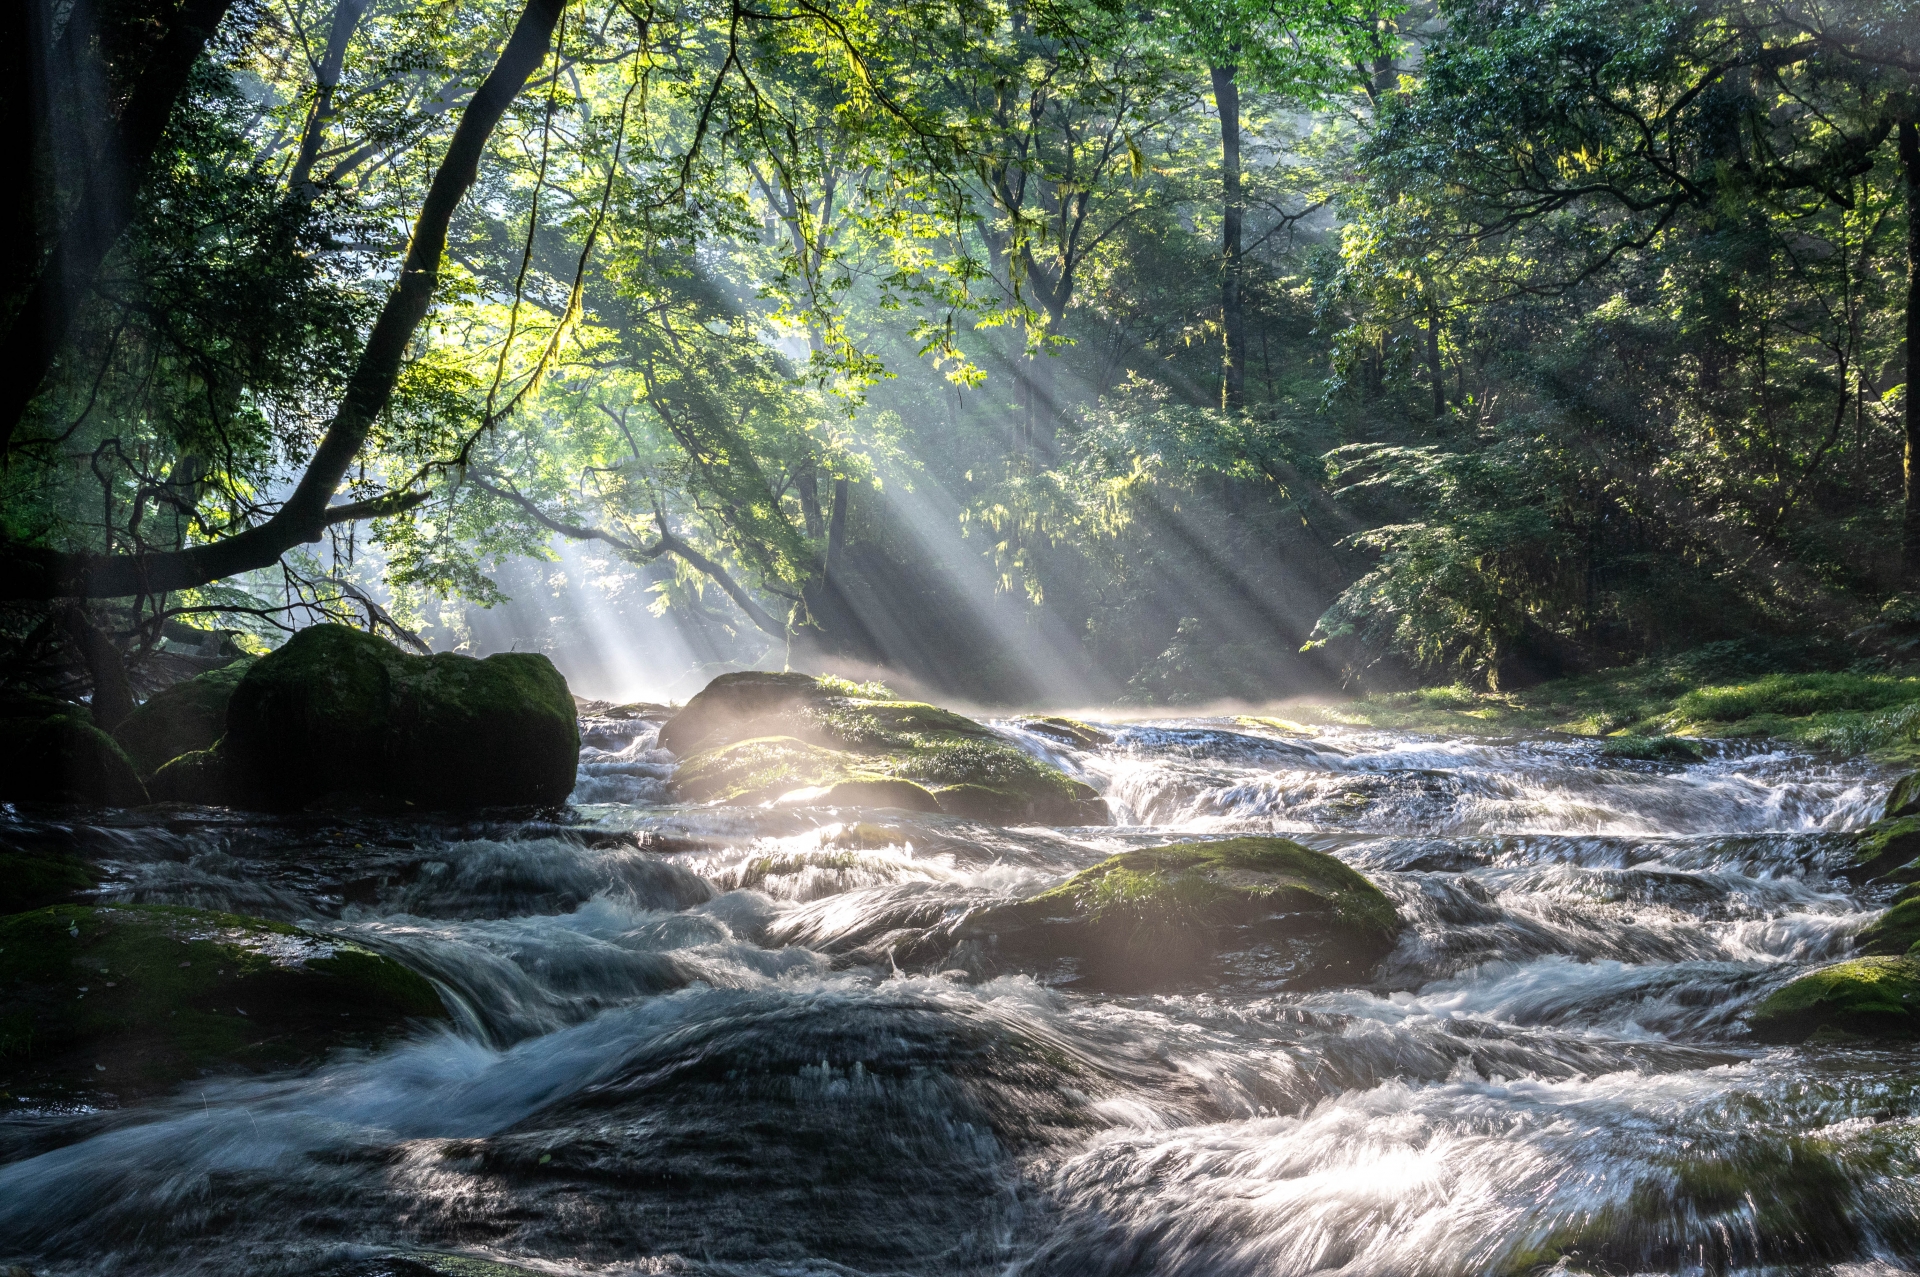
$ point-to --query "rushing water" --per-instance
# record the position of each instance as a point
(657, 1062)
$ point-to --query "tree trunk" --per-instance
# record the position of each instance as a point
(1910, 525)
(301, 188)
(806, 481)
(1434, 371)
(1233, 318)
(837, 530)
(33, 573)
(112, 695)
(39, 328)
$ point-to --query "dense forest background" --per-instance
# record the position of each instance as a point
(1048, 350)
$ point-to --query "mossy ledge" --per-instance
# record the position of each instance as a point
(113, 1002)
(1161, 915)
(755, 738)
(1873, 997)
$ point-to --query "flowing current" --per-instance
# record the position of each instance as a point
(657, 1064)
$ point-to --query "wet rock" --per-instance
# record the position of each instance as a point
(756, 738)
(1883, 848)
(1904, 800)
(63, 758)
(127, 1000)
(1652, 749)
(1868, 997)
(189, 716)
(1161, 915)
(199, 778)
(1068, 731)
(340, 715)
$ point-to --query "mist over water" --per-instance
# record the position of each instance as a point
(670, 1052)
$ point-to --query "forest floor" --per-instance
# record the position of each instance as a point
(1830, 711)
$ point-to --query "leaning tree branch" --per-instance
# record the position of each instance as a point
(28, 572)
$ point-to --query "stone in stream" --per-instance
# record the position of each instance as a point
(339, 715)
(1163, 914)
(1885, 849)
(1904, 798)
(51, 752)
(129, 1000)
(1874, 997)
(31, 877)
(757, 737)
(191, 715)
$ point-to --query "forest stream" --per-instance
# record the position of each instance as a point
(655, 1062)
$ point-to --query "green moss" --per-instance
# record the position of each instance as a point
(1158, 914)
(338, 712)
(64, 758)
(1883, 847)
(181, 719)
(30, 879)
(130, 999)
(1870, 997)
(1893, 932)
(1068, 731)
(1904, 798)
(199, 777)
(762, 769)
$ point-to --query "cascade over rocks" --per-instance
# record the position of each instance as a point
(131, 999)
(1162, 915)
(756, 737)
(341, 715)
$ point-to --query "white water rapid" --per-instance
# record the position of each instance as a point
(660, 1059)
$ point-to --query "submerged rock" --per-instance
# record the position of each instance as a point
(62, 757)
(130, 999)
(1875, 997)
(1652, 749)
(339, 714)
(757, 737)
(1163, 914)
(191, 715)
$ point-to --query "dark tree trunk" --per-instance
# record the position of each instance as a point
(837, 530)
(301, 187)
(1233, 317)
(34, 573)
(39, 327)
(112, 695)
(807, 483)
(1434, 371)
(1910, 524)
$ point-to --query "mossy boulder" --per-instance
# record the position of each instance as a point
(1893, 932)
(1067, 731)
(1883, 848)
(341, 715)
(757, 738)
(1161, 915)
(1876, 997)
(1652, 749)
(191, 715)
(128, 1000)
(33, 877)
(1904, 798)
(63, 758)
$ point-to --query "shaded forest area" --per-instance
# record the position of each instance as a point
(1056, 350)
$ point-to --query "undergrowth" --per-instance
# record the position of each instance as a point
(1837, 711)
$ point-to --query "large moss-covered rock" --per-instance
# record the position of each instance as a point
(338, 714)
(63, 758)
(1868, 997)
(1904, 798)
(1884, 848)
(1162, 914)
(758, 738)
(37, 876)
(1893, 932)
(191, 715)
(130, 999)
